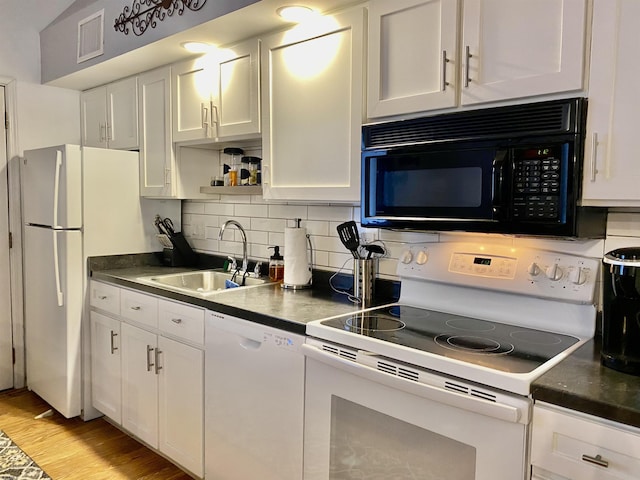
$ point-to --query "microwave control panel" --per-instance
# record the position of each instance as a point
(538, 182)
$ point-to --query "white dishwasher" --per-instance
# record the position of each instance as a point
(254, 400)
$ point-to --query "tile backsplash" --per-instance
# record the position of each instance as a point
(264, 223)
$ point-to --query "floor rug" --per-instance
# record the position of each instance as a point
(17, 465)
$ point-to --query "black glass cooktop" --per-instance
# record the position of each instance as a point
(499, 346)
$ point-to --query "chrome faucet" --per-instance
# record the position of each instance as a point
(245, 261)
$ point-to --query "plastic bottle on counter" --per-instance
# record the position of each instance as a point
(276, 265)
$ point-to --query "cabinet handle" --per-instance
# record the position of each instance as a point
(102, 297)
(594, 154)
(136, 308)
(445, 60)
(204, 111)
(167, 176)
(150, 363)
(467, 56)
(214, 120)
(176, 320)
(158, 367)
(597, 460)
(109, 137)
(113, 345)
(103, 128)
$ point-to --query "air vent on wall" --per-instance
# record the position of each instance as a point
(91, 36)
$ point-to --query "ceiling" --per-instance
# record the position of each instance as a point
(251, 21)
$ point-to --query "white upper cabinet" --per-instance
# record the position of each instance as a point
(412, 56)
(509, 49)
(157, 161)
(191, 91)
(236, 102)
(611, 173)
(520, 48)
(109, 115)
(312, 110)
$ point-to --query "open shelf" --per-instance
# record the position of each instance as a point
(239, 190)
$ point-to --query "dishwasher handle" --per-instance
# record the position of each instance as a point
(500, 411)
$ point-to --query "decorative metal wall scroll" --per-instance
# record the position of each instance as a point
(147, 13)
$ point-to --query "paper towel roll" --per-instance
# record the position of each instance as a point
(296, 260)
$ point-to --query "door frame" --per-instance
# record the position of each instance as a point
(15, 227)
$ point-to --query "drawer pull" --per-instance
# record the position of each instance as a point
(597, 460)
(102, 297)
(135, 308)
(176, 320)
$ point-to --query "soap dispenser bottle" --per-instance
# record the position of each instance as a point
(276, 265)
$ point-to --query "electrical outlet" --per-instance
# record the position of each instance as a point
(366, 237)
(197, 228)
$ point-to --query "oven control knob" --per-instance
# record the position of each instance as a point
(577, 276)
(406, 257)
(422, 257)
(533, 269)
(554, 272)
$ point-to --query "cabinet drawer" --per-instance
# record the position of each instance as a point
(182, 321)
(105, 297)
(582, 447)
(139, 307)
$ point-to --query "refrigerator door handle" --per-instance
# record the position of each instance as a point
(56, 187)
(56, 268)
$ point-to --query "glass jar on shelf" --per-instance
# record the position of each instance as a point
(234, 165)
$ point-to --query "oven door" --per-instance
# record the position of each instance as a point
(363, 423)
(433, 183)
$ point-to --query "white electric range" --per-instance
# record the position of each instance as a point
(475, 325)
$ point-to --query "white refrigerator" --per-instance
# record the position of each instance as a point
(78, 202)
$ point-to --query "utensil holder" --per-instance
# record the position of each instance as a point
(364, 280)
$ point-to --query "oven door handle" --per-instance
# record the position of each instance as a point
(500, 411)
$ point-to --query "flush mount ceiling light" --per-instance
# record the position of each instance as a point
(147, 13)
(295, 13)
(196, 47)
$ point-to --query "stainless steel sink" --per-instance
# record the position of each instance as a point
(202, 282)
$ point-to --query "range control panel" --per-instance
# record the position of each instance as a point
(519, 270)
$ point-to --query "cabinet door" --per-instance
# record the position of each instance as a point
(93, 112)
(312, 111)
(412, 56)
(139, 384)
(122, 113)
(520, 48)
(237, 99)
(157, 161)
(611, 174)
(191, 91)
(106, 389)
(181, 404)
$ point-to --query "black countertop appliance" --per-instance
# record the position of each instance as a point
(621, 310)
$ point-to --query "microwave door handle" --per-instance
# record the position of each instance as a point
(498, 183)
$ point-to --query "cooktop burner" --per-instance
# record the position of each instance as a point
(495, 345)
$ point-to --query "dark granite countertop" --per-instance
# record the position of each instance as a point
(582, 383)
(265, 304)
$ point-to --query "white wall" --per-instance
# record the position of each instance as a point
(43, 115)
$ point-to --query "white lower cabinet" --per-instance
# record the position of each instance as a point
(149, 383)
(106, 394)
(568, 445)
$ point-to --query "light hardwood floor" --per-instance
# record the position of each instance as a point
(77, 450)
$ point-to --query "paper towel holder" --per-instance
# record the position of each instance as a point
(290, 286)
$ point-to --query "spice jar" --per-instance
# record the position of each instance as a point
(234, 165)
(253, 166)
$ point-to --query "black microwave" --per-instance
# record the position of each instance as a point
(511, 170)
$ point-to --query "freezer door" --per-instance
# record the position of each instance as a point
(52, 186)
(53, 311)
